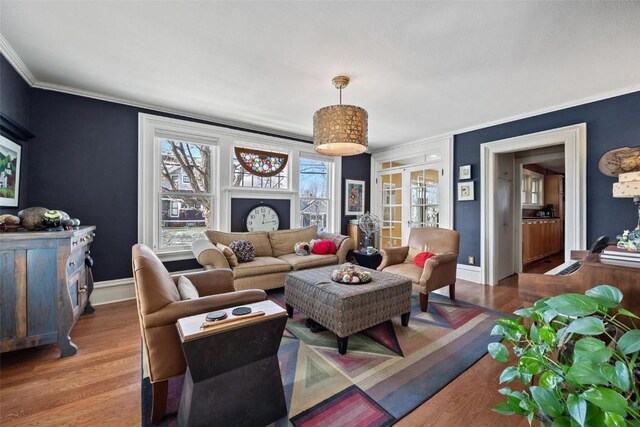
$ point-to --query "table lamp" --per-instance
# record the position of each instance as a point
(628, 186)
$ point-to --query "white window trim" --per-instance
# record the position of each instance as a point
(151, 127)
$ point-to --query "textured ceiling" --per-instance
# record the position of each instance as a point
(420, 68)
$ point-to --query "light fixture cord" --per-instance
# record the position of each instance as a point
(340, 94)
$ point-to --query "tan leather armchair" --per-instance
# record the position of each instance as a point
(159, 308)
(438, 271)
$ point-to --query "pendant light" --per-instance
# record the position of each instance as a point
(340, 130)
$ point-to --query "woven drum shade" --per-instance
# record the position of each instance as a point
(340, 130)
(628, 185)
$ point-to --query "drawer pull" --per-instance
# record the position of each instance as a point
(82, 290)
(72, 263)
(75, 243)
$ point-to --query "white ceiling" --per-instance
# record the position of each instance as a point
(421, 69)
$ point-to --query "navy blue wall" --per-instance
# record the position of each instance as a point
(241, 206)
(84, 161)
(355, 167)
(15, 104)
(611, 123)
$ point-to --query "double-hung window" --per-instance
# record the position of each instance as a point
(176, 184)
(315, 182)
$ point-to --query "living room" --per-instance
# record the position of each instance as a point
(79, 80)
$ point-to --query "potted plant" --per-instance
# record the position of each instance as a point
(577, 361)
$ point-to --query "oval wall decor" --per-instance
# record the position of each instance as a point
(620, 160)
(261, 163)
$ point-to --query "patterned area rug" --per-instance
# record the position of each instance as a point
(387, 372)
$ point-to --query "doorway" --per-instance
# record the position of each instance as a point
(493, 235)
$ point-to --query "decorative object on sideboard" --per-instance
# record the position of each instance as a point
(354, 197)
(9, 222)
(10, 158)
(620, 160)
(39, 218)
(369, 224)
(261, 163)
(340, 130)
(628, 186)
(31, 218)
(465, 191)
(464, 172)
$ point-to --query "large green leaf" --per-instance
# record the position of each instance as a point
(549, 380)
(524, 312)
(561, 422)
(607, 400)
(498, 330)
(592, 349)
(585, 372)
(508, 323)
(614, 420)
(531, 363)
(586, 326)
(534, 334)
(547, 334)
(617, 375)
(627, 313)
(549, 315)
(498, 351)
(573, 304)
(504, 409)
(547, 401)
(605, 295)
(577, 407)
(630, 342)
(509, 374)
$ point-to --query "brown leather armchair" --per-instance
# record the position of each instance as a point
(159, 308)
(438, 271)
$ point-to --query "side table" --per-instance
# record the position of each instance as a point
(233, 375)
(364, 259)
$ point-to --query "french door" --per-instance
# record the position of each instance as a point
(410, 197)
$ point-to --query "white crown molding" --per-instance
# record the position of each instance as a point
(16, 61)
(159, 108)
(25, 73)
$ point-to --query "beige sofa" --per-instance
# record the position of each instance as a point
(275, 256)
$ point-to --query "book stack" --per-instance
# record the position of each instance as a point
(618, 256)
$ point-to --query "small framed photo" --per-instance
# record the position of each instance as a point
(465, 172)
(10, 158)
(465, 191)
(354, 197)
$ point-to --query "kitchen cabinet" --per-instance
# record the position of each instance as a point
(541, 238)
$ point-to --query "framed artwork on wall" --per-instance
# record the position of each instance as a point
(465, 191)
(465, 172)
(354, 197)
(10, 158)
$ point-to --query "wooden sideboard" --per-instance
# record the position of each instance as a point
(45, 285)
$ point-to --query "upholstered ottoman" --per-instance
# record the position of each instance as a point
(347, 309)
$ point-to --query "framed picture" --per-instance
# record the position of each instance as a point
(465, 191)
(465, 172)
(354, 197)
(10, 158)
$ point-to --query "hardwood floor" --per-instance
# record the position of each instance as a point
(100, 385)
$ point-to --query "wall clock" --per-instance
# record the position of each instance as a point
(261, 217)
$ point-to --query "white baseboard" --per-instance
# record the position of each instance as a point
(110, 291)
(469, 272)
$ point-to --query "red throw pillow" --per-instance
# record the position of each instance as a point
(324, 247)
(421, 258)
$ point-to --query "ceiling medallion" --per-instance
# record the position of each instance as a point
(340, 130)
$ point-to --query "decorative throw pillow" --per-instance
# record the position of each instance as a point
(186, 289)
(324, 247)
(421, 258)
(302, 248)
(232, 259)
(244, 250)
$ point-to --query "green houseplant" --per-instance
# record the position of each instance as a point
(577, 361)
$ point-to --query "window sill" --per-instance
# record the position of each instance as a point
(175, 255)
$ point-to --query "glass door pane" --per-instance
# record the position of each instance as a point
(424, 203)
(391, 208)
